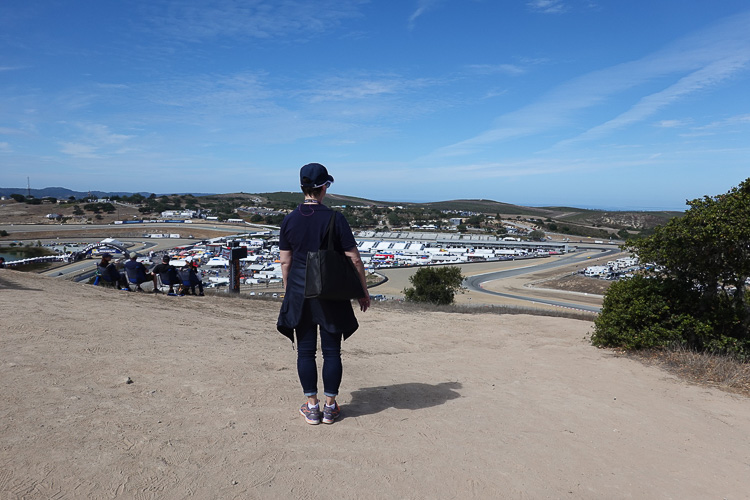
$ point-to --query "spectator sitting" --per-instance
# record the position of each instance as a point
(168, 273)
(109, 272)
(137, 273)
(190, 278)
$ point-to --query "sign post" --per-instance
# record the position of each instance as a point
(236, 252)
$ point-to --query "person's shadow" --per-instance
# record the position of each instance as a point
(410, 396)
(12, 285)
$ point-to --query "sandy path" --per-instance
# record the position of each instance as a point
(436, 405)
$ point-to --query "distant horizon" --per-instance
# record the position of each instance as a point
(23, 191)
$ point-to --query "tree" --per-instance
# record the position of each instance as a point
(536, 235)
(475, 220)
(702, 264)
(436, 285)
(394, 220)
(274, 219)
(18, 197)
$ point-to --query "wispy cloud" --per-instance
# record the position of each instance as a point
(11, 131)
(219, 94)
(5, 147)
(299, 19)
(706, 77)
(727, 122)
(94, 141)
(548, 6)
(491, 69)
(79, 150)
(671, 123)
(699, 62)
(423, 6)
(494, 93)
(101, 134)
(363, 87)
(730, 124)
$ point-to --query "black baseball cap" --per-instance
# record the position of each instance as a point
(314, 175)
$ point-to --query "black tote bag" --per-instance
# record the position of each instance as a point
(331, 275)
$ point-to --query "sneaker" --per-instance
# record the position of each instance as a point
(312, 415)
(331, 414)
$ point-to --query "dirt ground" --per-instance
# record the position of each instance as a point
(109, 394)
(575, 283)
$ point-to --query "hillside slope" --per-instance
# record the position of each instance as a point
(124, 395)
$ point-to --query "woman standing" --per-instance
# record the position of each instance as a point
(302, 231)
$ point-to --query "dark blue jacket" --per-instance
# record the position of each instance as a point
(136, 271)
(302, 231)
(110, 273)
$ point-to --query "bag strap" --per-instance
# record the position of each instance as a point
(327, 243)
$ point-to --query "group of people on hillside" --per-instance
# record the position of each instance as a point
(185, 280)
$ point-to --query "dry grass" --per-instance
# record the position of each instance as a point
(416, 308)
(575, 283)
(712, 370)
(483, 309)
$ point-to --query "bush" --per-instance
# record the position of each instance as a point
(435, 285)
(698, 296)
(638, 313)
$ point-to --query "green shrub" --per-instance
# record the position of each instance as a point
(436, 285)
(698, 297)
(637, 313)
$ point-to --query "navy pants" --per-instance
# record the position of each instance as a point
(307, 369)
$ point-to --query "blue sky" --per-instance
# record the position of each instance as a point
(591, 103)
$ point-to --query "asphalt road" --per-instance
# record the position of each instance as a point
(475, 282)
